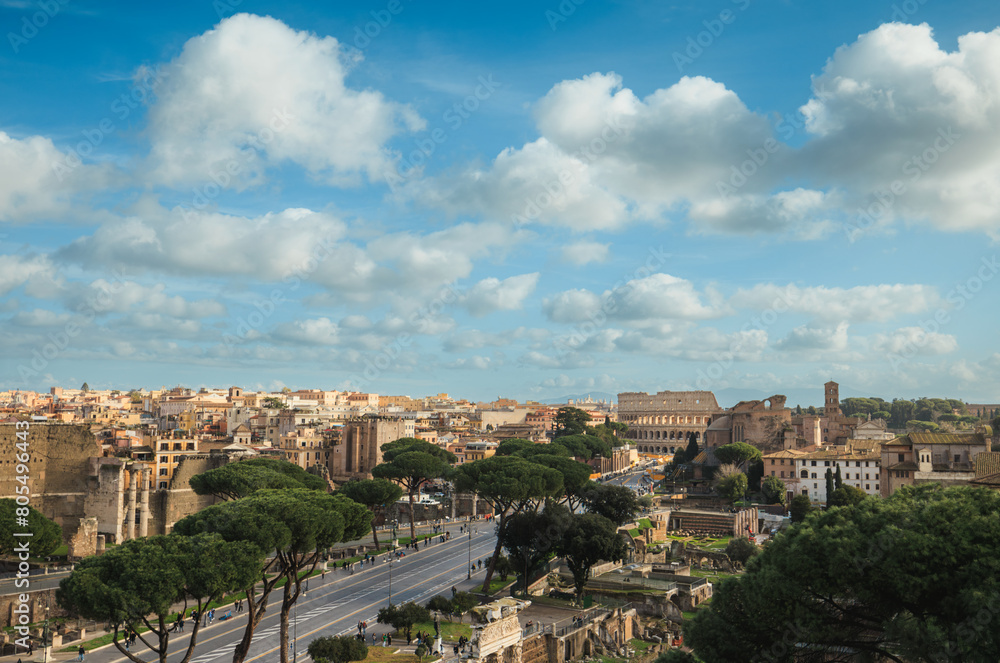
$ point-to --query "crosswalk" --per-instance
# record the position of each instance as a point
(228, 649)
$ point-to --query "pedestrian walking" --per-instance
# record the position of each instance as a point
(81, 653)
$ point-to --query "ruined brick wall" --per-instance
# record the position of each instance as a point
(59, 469)
(534, 649)
(84, 541)
(105, 500)
(179, 500)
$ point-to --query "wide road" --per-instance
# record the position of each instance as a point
(335, 605)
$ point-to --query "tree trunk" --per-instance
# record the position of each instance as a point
(286, 607)
(413, 529)
(375, 537)
(255, 609)
(496, 551)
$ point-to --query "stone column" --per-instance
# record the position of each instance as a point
(144, 503)
(133, 479)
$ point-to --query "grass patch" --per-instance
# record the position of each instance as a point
(634, 533)
(379, 654)
(496, 584)
(644, 523)
(450, 631)
(640, 646)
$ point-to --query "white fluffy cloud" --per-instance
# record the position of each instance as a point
(253, 92)
(179, 242)
(494, 294)
(643, 301)
(17, 270)
(894, 110)
(896, 124)
(582, 253)
(39, 182)
(866, 303)
(806, 339)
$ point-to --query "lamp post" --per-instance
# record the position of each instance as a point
(390, 576)
(45, 636)
(470, 551)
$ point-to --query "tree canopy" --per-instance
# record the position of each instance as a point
(295, 526)
(137, 583)
(46, 535)
(412, 463)
(618, 504)
(337, 649)
(737, 453)
(508, 484)
(531, 537)
(571, 421)
(403, 617)
(376, 494)
(800, 507)
(730, 482)
(846, 495)
(907, 578)
(241, 478)
(590, 539)
(774, 490)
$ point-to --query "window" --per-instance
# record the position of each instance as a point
(163, 485)
(900, 459)
(164, 459)
(876, 486)
(163, 471)
(857, 463)
(805, 474)
(782, 474)
(957, 458)
(814, 463)
(164, 446)
(815, 486)
(772, 473)
(814, 475)
(867, 477)
(826, 463)
(782, 461)
(867, 487)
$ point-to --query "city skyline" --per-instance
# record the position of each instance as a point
(538, 201)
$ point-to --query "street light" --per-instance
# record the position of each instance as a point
(45, 636)
(470, 551)
(390, 575)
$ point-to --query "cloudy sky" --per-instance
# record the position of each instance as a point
(523, 199)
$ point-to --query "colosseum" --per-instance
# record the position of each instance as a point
(660, 423)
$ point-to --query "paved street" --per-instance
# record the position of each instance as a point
(334, 605)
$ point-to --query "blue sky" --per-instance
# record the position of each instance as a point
(522, 199)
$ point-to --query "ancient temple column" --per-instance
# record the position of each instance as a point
(144, 503)
(133, 479)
